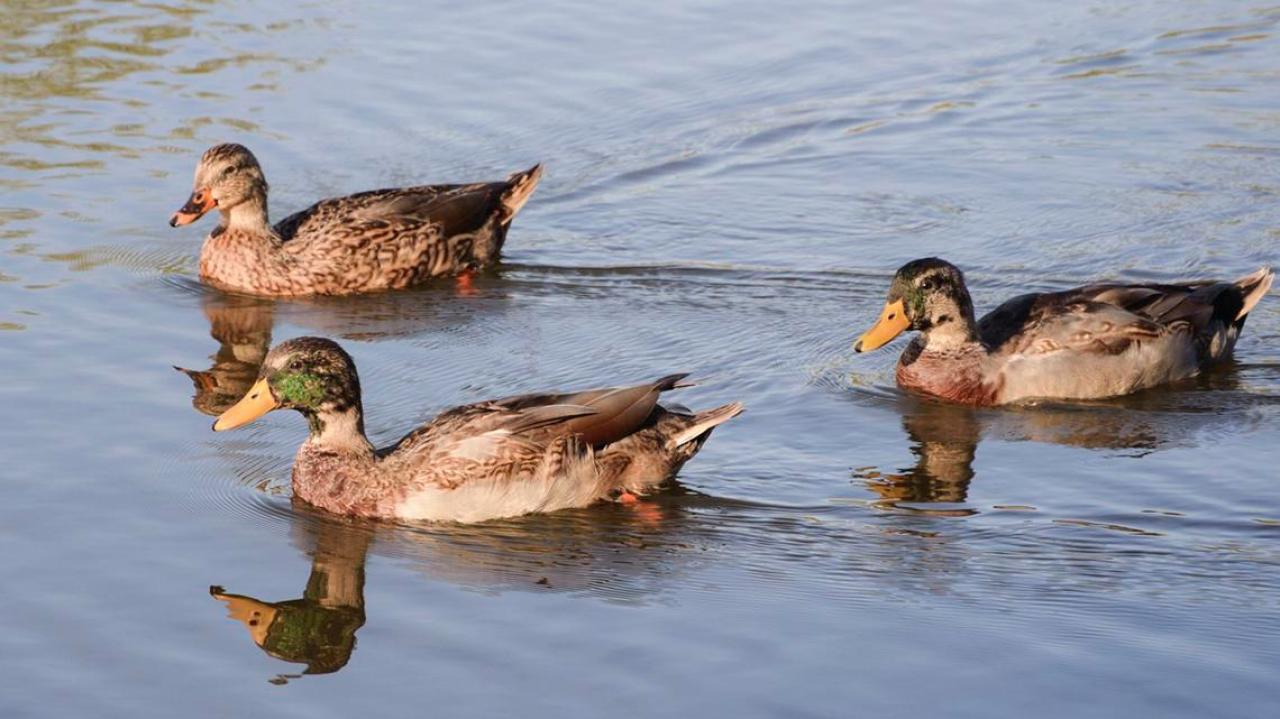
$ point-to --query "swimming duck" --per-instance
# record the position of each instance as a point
(376, 240)
(1091, 342)
(500, 458)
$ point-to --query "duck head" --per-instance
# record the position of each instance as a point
(927, 295)
(302, 631)
(311, 375)
(228, 177)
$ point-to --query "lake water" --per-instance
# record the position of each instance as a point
(729, 187)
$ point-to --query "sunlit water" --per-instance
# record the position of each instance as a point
(729, 187)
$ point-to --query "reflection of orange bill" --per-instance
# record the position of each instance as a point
(255, 403)
(254, 614)
(893, 322)
(201, 201)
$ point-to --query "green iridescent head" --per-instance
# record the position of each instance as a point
(925, 294)
(309, 374)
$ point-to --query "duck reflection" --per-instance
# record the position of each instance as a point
(242, 326)
(944, 438)
(623, 554)
(318, 629)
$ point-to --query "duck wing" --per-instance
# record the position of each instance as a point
(1110, 317)
(447, 209)
(597, 417)
(616, 412)
(453, 209)
(1081, 326)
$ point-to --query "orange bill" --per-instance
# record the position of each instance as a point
(256, 402)
(201, 201)
(893, 322)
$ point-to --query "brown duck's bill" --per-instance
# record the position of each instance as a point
(200, 202)
(893, 322)
(256, 402)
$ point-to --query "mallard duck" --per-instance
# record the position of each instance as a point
(1091, 342)
(501, 458)
(376, 240)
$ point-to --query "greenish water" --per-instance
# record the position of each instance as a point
(729, 187)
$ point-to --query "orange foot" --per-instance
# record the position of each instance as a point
(647, 513)
(626, 497)
(465, 283)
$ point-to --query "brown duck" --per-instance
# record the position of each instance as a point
(1090, 342)
(376, 240)
(501, 458)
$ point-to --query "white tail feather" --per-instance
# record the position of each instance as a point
(1261, 284)
(522, 186)
(706, 422)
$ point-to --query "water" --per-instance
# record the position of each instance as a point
(729, 187)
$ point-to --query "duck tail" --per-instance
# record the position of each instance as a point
(704, 422)
(520, 187)
(672, 381)
(1254, 287)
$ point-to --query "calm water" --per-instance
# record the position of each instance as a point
(729, 187)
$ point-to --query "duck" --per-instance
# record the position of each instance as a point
(526, 454)
(376, 240)
(1091, 342)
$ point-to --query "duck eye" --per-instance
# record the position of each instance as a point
(295, 365)
(228, 170)
(926, 284)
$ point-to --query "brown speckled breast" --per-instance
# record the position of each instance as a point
(342, 483)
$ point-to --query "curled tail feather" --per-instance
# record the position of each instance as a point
(672, 381)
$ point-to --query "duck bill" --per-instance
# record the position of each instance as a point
(200, 202)
(255, 614)
(893, 322)
(256, 402)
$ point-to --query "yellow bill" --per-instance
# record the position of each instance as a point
(256, 402)
(893, 322)
(254, 614)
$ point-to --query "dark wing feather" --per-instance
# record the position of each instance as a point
(454, 209)
(1199, 307)
(599, 416)
(619, 411)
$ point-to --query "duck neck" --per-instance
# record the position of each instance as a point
(337, 570)
(951, 335)
(340, 431)
(249, 216)
(950, 324)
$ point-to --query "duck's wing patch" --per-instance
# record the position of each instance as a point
(1092, 327)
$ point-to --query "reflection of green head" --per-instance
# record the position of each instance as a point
(304, 632)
